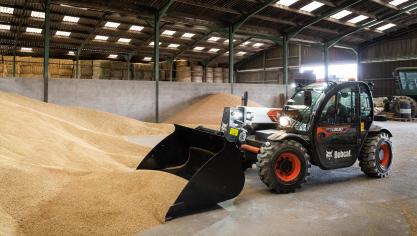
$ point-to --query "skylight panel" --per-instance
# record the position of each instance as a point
(124, 40)
(169, 32)
(63, 33)
(153, 43)
(213, 39)
(358, 19)
(112, 56)
(37, 14)
(385, 27)
(23, 49)
(286, 2)
(397, 2)
(136, 28)
(71, 53)
(240, 53)
(173, 45)
(6, 10)
(110, 24)
(214, 50)
(147, 58)
(33, 30)
(4, 27)
(188, 35)
(246, 43)
(71, 19)
(258, 45)
(101, 37)
(341, 14)
(198, 48)
(311, 6)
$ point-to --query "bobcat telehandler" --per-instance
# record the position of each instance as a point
(329, 125)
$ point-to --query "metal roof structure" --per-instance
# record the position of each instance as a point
(196, 30)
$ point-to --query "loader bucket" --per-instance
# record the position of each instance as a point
(212, 165)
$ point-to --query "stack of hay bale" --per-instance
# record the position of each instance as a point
(209, 75)
(183, 71)
(225, 75)
(218, 75)
(197, 74)
(101, 69)
(86, 69)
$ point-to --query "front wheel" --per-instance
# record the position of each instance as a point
(376, 156)
(283, 167)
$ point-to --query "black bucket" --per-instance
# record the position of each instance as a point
(212, 165)
(405, 109)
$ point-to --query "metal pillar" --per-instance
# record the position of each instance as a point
(231, 57)
(14, 62)
(170, 62)
(156, 64)
(205, 66)
(77, 63)
(285, 63)
(128, 57)
(46, 50)
(326, 61)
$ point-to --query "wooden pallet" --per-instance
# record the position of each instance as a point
(392, 116)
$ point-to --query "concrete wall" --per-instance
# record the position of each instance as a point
(135, 99)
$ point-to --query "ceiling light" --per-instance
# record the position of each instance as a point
(111, 24)
(214, 50)
(397, 2)
(153, 43)
(311, 6)
(6, 10)
(358, 19)
(124, 40)
(101, 37)
(112, 56)
(169, 32)
(198, 48)
(63, 33)
(240, 53)
(4, 27)
(341, 14)
(147, 58)
(257, 45)
(25, 49)
(385, 27)
(188, 35)
(213, 39)
(286, 2)
(37, 14)
(72, 19)
(136, 28)
(71, 53)
(173, 45)
(33, 30)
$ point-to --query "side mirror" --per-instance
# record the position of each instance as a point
(307, 98)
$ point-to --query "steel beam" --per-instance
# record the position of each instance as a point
(128, 58)
(46, 36)
(193, 44)
(165, 7)
(157, 22)
(231, 57)
(77, 63)
(14, 62)
(326, 61)
(325, 15)
(285, 40)
(222, 52)
(373, 23)
(244, 18)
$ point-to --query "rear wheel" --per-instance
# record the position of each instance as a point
(283, 167)
(376, 156)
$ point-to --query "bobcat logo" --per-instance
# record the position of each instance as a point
(329, 154)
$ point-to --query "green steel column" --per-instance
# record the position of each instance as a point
(285, 63)
(231, 57)
(156, 64)
(326, 61)
(14, 62)
(358, 61)
(128, 58)
(46, 50)
(170, 62)
(205, 66)
(77, 63)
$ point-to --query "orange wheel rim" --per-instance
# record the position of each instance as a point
(384, 155)
(287, 166)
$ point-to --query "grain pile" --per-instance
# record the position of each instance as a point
(207, 110)
(71, 171)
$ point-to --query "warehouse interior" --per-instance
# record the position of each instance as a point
(90, 90)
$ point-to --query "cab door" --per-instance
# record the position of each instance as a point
(336, 130)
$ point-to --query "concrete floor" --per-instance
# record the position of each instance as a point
(338, 202)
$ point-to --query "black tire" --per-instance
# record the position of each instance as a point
(274, 155)
(370, 160)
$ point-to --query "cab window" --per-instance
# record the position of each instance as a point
(340, 108)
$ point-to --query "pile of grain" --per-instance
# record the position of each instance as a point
(71, 171)
(207, 110)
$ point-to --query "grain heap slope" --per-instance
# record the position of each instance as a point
(207, 110)
(71, 171)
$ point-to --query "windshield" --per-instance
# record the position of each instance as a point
(298, 111)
